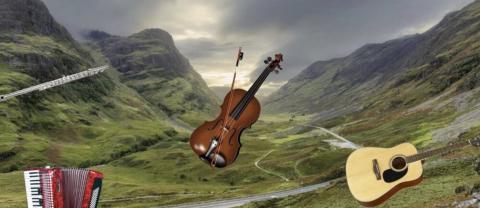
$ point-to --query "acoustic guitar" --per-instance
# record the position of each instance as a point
(375, 174)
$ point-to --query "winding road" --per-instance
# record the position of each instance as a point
(235, 202)
(351, 144)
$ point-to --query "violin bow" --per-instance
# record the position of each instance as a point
(239, 58)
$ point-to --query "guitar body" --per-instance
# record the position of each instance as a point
(230, 145)
(371, 178)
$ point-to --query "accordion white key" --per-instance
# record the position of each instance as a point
(62, 188)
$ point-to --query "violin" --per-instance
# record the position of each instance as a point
(217, 142)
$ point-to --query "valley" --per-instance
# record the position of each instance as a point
(133, 122)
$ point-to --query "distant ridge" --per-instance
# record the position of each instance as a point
(416, 66)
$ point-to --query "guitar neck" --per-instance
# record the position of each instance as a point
(433, 152)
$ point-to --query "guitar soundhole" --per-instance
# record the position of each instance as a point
(390, 175)
(398, 169)
(399, 163)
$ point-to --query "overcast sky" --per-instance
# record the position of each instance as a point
(209, 32)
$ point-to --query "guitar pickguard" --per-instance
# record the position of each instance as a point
(390, 175)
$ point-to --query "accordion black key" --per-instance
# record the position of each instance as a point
(62, 188)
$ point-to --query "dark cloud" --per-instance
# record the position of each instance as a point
(208, 32)
(319, 30)
(121, 17)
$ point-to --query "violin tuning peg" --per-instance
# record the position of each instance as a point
(269, 59)
(280, 67)
(276, 71)
(265, 61)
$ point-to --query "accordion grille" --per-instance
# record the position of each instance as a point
(74, 182)
(47, 180)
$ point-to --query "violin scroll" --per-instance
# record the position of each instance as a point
(274, 64)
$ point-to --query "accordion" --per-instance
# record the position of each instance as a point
(62, 188)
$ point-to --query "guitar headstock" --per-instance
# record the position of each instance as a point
(475, 141)
(274, 64)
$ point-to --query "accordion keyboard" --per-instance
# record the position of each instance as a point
(62, 188)
(33, 189)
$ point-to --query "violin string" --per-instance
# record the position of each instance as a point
(227, 115)
(225, 123)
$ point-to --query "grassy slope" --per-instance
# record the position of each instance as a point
(149, 159)
(387, 119)
(169, 173)
(151, 65)
(78, 130)
(169, 170)
(441, 178)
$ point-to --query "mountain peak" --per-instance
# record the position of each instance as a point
(154, 34)
(30, 16)
(96, 35)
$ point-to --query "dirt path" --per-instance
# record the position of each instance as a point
(267, 171)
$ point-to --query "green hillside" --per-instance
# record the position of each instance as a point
(421, 89)
(398, 73)
(150, 64)
(116, 122)
(72, 125)
(133, 122)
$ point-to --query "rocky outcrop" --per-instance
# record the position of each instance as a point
(34, 43)
(30, 17)
(150, 63)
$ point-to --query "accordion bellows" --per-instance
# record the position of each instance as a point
(62, 188)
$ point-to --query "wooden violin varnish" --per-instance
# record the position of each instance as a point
(217, 142)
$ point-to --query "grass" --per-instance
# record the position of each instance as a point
(170, 173)
(126, 129)
(436, 190)
(165, 171)
(31, 44)
(150, 65)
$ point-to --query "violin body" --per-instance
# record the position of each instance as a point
(229, 146)
(217, 142)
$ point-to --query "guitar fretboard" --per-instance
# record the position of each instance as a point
(430, 153)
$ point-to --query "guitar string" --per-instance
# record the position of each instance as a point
(432, 152)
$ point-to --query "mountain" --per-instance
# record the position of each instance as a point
(150, 63)
(34, 43)
(94, 120)
(422, 89)
(128, 122)
(395, 74)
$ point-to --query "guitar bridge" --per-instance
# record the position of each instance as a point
(376, 169)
